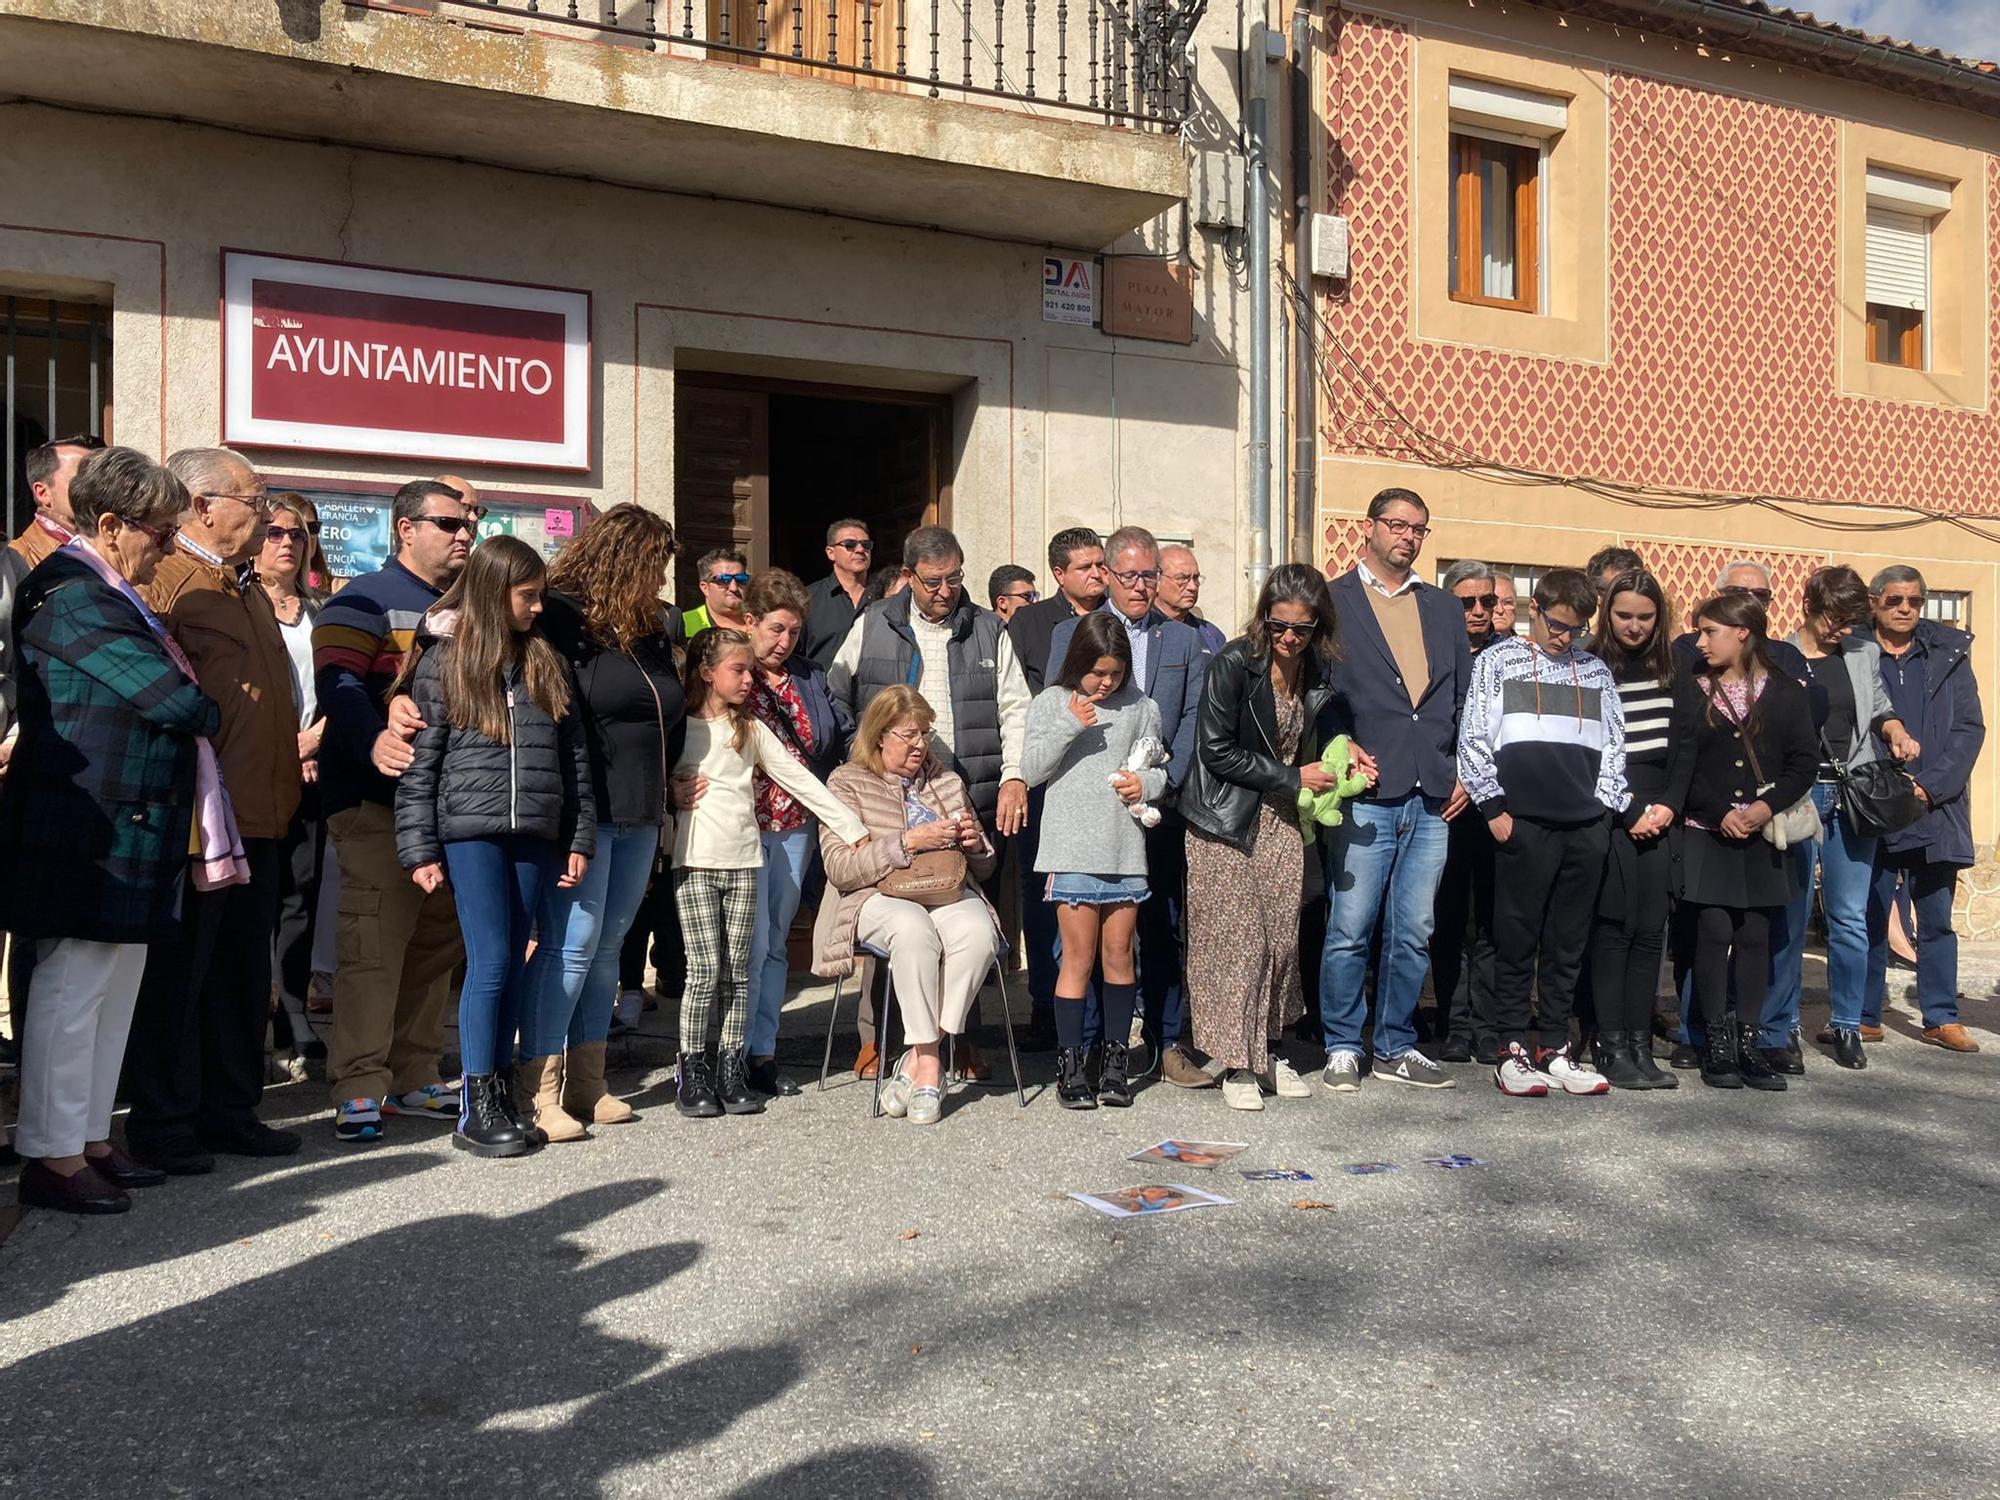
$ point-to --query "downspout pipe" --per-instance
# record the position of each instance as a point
(1256, 132)
(1305, 347)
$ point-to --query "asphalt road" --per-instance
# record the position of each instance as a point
(1689, 1294)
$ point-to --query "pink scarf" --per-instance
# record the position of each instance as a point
(214, 844)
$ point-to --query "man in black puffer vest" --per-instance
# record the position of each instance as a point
(935, 639)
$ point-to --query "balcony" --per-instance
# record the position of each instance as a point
(1046, 120)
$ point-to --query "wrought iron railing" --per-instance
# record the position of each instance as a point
(1123, 61)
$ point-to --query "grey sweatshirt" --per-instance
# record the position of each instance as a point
(1086, 827)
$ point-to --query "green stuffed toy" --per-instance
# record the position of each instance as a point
(1322, 809)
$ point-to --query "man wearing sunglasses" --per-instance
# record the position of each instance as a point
(1011, 587)
(836, 597)
(194, 1068)
(396, 945)
(1399, 684)
(1927, 668)
(723, 573)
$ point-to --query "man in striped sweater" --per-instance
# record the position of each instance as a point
(1541, 751)
(396, 946)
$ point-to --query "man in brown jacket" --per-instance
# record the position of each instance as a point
(195, 1063)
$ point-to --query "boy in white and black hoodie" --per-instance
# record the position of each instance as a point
(1541, 752)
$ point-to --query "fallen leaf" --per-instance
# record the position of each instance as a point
(908, 1234)
(1309, 1203)
(916, 1348)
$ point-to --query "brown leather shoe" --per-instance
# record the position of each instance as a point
(1952, 1037)
(968, 1064)
(868, 1064)
(1183, 1071)
(1871, 1033)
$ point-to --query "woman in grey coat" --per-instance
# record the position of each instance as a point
(1094, 738)
(1860, 724)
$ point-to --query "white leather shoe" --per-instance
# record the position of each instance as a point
(1240, 1090)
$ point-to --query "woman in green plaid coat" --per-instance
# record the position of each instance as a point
(95, 819)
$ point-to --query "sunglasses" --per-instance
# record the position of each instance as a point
(313, 527)
(853, 546)
(1559, 630)
(285, 534)
(1762, 596)
(162, 535)
(723, 580)
(1902, 601)
(1290, 627)
(449, 525)
(1482, 601)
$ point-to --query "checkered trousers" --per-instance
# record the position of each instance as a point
(718, 912)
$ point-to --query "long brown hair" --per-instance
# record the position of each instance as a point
(1740, 612)
(484, 642)
(707, 649)
(1656, 657)
(615, 568)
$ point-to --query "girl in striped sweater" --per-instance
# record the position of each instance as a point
(1632, 637)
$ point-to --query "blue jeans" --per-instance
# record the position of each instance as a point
(1385, 859)
(1846, 865)
(1931, 888)
(778, 889)
(1161, 976)
(573, 979)
(496, 885)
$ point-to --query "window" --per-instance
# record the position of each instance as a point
(1499, 153)
(57, 359)
(1951, 607)
(1901, 211)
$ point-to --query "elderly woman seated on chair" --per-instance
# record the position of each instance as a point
(926, 842)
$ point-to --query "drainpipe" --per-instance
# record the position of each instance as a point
(1256, 131)
(1305, 348)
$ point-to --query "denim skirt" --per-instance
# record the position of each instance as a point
(1095, 890)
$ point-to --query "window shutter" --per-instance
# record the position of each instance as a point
(1899, 261)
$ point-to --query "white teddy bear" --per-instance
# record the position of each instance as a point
(1147, 752)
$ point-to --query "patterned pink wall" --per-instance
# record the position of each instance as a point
(1722, 335)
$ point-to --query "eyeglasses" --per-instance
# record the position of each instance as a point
(285, 534)
(449, 525)
(1138, 577)
(257, 500)
(1025, 596)
(863, 545)
(911, 737)
(1901, 601)
(1560, 629)
(1405, 528)
(730, 580)
(1194, 578)
(1290, 627)
(938, 585)
(161, 535)
(1481, 601)
(1762, 596)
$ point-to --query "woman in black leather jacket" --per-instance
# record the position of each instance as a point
(1255, 748)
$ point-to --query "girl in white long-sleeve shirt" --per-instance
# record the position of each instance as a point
(717, 858)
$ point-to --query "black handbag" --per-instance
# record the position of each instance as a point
(1875, 799)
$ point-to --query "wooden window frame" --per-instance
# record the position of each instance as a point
(1908, 353)
(1468, 188)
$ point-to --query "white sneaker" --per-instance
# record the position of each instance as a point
(1343, 1072)
(1516, 1075)
(1574, 1077)
(1284, 1081)
(1240, 1090)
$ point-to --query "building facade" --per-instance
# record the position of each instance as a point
(1612, 283)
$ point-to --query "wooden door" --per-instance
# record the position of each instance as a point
(796, 33)
(722, 477)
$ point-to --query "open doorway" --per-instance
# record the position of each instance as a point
(768, 464)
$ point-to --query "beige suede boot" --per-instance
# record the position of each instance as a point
(584, 1092)
(538, 1084)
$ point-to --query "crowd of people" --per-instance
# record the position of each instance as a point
(513, 778)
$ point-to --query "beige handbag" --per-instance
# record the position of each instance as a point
(932, 878)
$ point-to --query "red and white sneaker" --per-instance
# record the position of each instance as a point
(1571, 1076)
(1516, 1074)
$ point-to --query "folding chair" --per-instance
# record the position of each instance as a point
(881, 956)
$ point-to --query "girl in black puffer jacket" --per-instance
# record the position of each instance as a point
(499, 798)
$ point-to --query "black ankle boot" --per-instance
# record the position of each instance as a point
(1113, 1091)
(1072, 1082)
(485, 1123)
(1611, 1051)
(1754, 1065)
(1719, 1068)
(1640, 1046)
(535, 1136)
(734, 1085)
(695, 1094)
(1847, 1048)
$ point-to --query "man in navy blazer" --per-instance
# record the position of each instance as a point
(1398, 689)
(1170, 664)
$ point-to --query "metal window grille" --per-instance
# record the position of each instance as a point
(55, 378)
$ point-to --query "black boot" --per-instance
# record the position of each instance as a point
(1611, 1051)
(695, 1094)
(1754, 1065)
(533, 1134)
(485, 1123)
(1072, 1082)
(1847, 1048)
(766, 1079)
(1641, 1049)
(733, 1087)
(1113, 1091)
(1719, 1069)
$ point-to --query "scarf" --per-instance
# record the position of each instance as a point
(213, 843)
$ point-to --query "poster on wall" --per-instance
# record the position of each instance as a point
(355, 534)
(336, 358)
